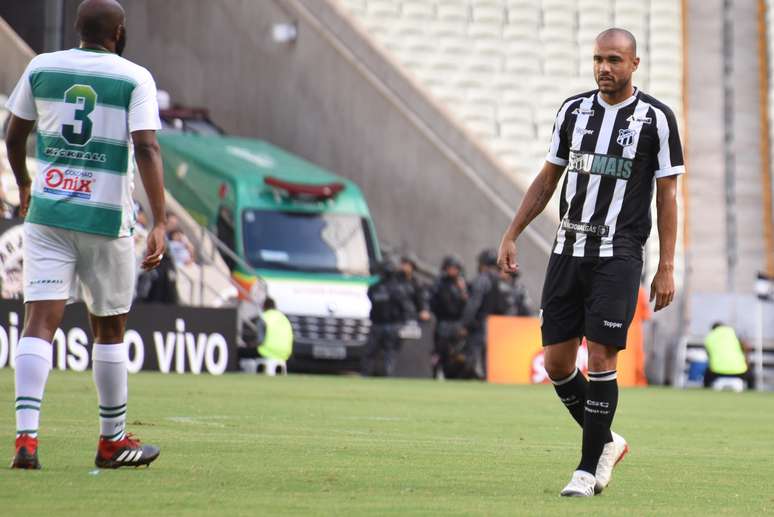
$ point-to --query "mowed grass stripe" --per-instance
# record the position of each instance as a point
(342, 445)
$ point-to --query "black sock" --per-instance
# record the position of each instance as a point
(572, 393)
(601, 401)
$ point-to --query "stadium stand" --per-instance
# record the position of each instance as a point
(503, 66)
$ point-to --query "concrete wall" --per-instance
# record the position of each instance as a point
(14, 55)
(331, 98)
(706, 175)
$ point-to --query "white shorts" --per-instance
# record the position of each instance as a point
(58, 261)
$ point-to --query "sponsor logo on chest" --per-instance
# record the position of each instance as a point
(601, 164)
(68, 183)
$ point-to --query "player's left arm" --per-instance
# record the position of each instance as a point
(143, 124)
(662, 290)
(148, 156)
(670, 166)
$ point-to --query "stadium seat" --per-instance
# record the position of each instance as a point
(524, 13)
(382, 8)
(484, 31)
(445, 28)
(420, 10)
(568, 6)
(514, 113)
(556, 36)
(453, 12)
(517, 131)
(518, 31)
(488, 13)
(558, 20)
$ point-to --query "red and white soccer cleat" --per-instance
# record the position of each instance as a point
(26, 456)
(127, 452)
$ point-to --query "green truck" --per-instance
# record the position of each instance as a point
(305, 231)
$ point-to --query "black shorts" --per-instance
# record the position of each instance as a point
(589, 296)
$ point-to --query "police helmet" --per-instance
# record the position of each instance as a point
(451, 261)
(487, 257)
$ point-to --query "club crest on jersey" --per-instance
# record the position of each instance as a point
(639, 120)
(581, 111)
(626, 137)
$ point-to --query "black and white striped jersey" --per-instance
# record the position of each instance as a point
(613, 155)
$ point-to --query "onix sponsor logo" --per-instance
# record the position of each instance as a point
(70, 183)
(602, 164)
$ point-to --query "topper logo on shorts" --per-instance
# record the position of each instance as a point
(70, 183)
(612, 324)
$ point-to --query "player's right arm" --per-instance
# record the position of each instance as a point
(533, 203)
(16, 145)
(24, 112)
(540, 191)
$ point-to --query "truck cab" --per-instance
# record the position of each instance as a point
(305, 231)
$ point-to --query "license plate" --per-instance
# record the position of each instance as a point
(329, 352)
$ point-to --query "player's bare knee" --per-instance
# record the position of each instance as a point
(108, 329)
(42, 318)
(559, 366)
(602, 358)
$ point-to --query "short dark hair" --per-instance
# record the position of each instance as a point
(717, 324)
(269, 304)
(98, 19)
(616, 30)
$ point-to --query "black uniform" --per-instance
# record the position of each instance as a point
(514, 297)
(448, 303)
(417, 293)
(484, 300)
(613, 155)
(391, 308)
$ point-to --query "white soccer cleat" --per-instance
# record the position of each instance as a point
(612, 453)
(581, 485)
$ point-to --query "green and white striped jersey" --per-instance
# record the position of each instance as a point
(86, 103)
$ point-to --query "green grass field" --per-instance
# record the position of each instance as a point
(249, 445)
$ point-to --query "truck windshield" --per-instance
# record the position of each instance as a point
(317, 242)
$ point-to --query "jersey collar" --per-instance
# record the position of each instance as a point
(621, 104)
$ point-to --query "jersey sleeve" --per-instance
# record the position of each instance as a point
(559, 150)
(21, 102)
(144, 107)
(670, 150)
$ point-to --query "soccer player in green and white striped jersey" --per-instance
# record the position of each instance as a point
(96, 113)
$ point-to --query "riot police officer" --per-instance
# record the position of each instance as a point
(514, 295)
(447, 301)
(391, 308)
(485, 299)
(417, 290)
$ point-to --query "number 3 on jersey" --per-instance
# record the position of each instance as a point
(85, 98)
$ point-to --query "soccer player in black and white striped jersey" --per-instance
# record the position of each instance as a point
(615, 144)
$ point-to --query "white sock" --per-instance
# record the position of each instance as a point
(33, 362)
(110, 376)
